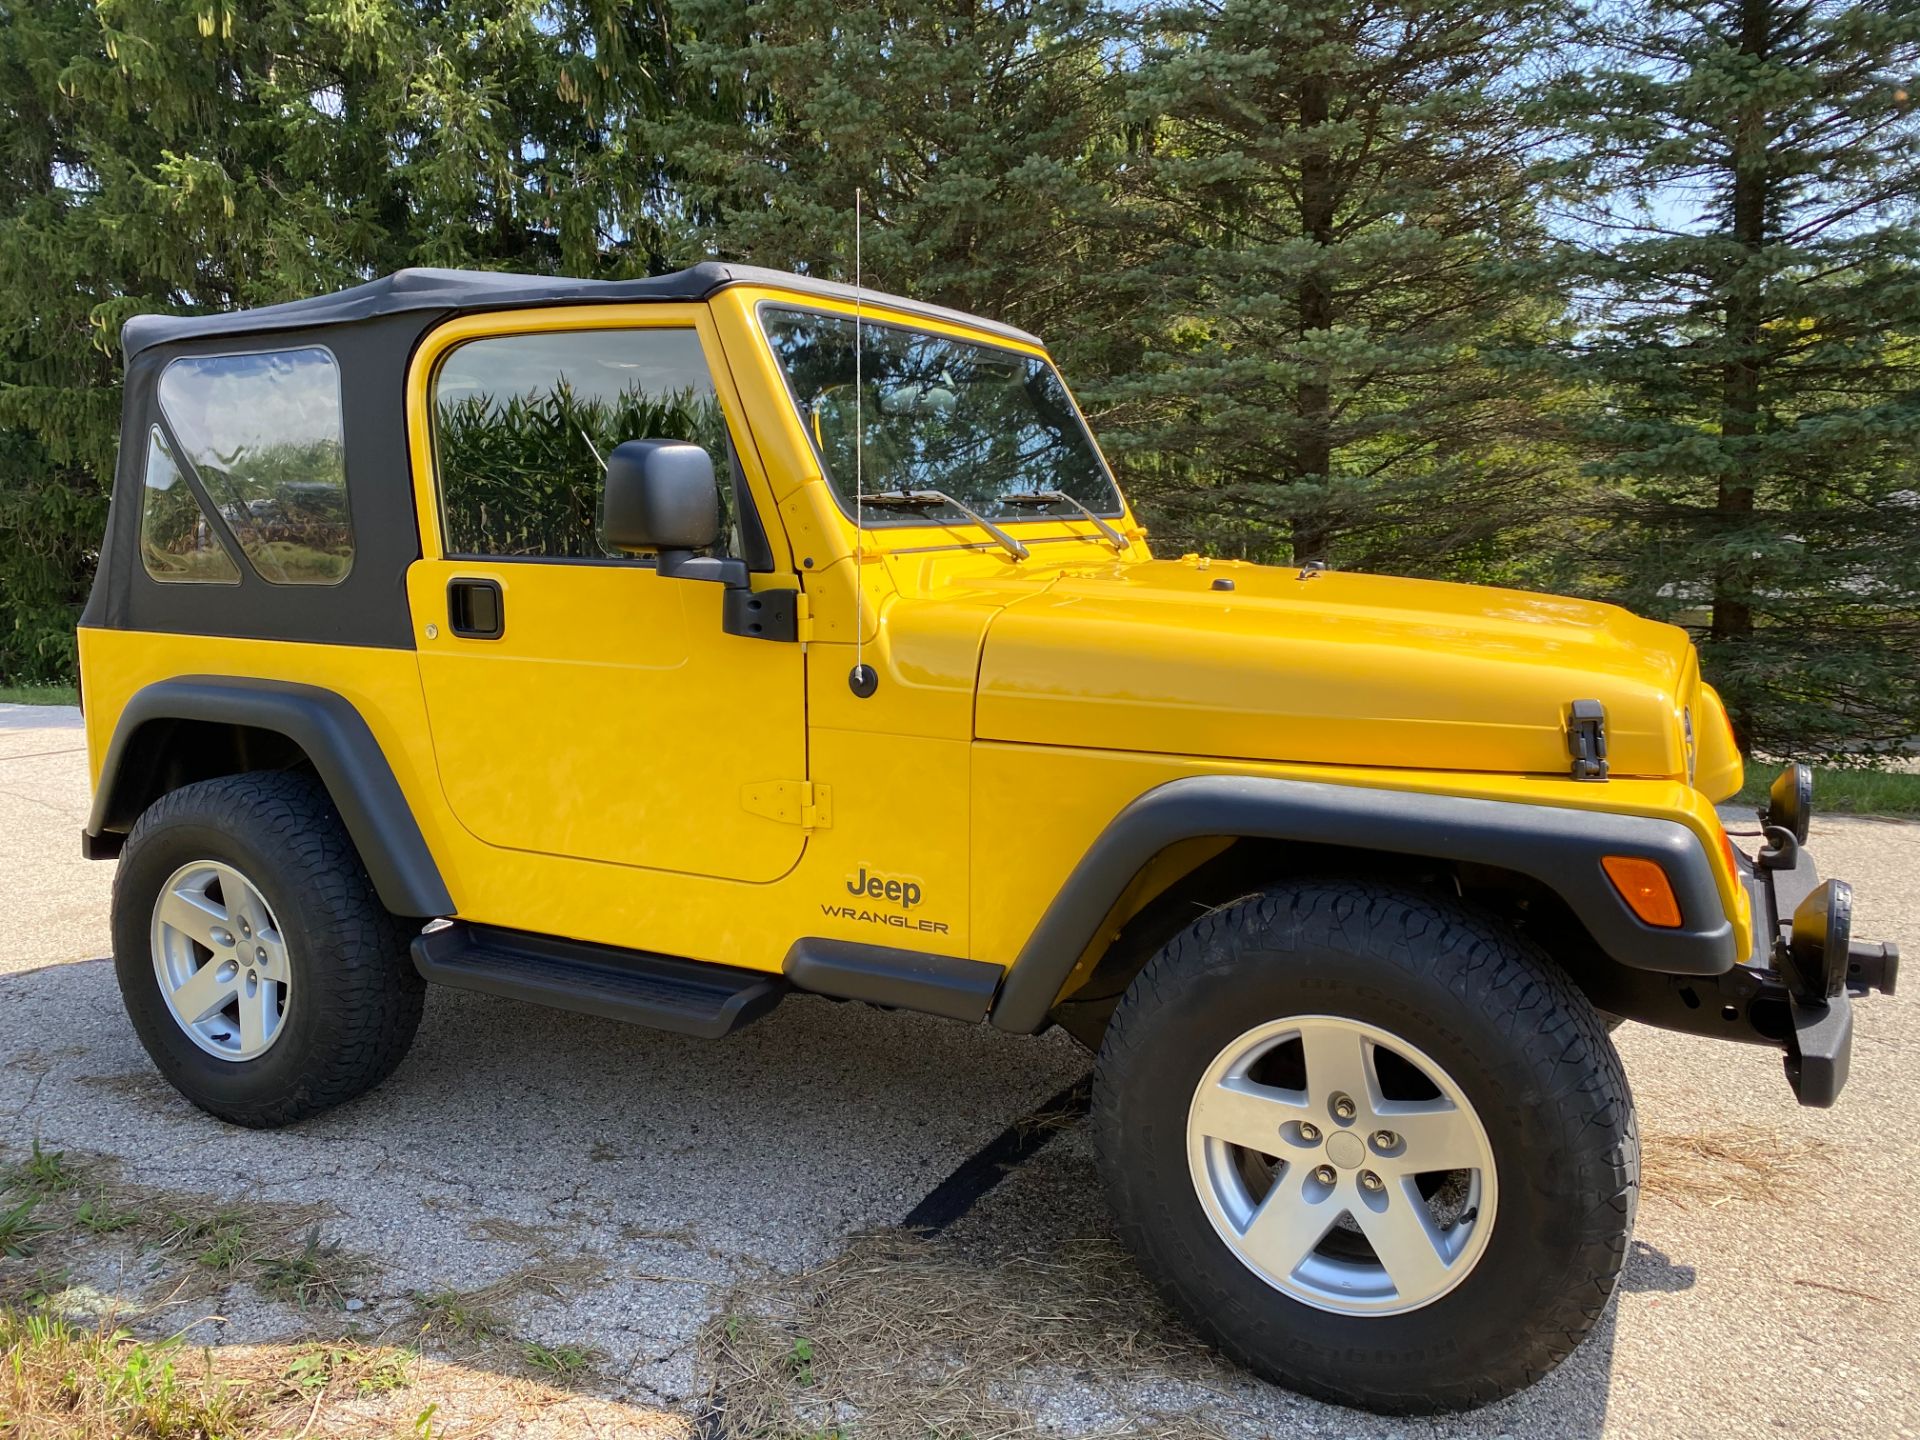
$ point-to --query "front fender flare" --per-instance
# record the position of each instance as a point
(1559, 847)
(344, 752)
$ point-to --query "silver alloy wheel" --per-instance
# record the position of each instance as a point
(220, 961)
(1348, 1195)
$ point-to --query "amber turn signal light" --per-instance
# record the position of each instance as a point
(1645, 888)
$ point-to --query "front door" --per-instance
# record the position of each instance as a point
(580, 704)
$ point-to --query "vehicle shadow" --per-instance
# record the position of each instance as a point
(643, 1184)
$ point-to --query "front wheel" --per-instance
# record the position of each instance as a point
(1374, 1146)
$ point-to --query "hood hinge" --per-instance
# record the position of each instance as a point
(1587, 739)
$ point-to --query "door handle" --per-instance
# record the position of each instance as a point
(475, 609)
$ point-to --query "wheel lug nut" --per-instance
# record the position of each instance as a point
(1309, 1133)
(221, 937)
(1371, 1181)
(1342, 1108)
(1385, 1140)
(1325, 1175)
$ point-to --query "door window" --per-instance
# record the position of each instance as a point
(263, 434)
(523, 425)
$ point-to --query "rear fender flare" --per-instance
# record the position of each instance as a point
(334, 737)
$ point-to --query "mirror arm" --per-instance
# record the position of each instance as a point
(691, 565)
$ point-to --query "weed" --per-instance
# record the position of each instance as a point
(370, 1372)
(456, 1314)
(423, 1423)
(563, 1362)
(220, 1239)
(317, 1270)
(18, 1227)
(800, 1360)
(99, 1216)
(42, 1173)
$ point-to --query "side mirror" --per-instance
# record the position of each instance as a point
(661, 496)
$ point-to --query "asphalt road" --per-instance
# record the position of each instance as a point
(1767, 1295)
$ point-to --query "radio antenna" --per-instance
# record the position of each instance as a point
(863, 682)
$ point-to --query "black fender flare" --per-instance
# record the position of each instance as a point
(1558, 846)
(334, 736)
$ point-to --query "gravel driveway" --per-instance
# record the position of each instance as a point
(629, 1188)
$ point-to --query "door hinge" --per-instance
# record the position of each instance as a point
(1587, 739)
(802, 618)
(791, 802)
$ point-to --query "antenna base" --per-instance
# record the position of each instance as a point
(863, 680)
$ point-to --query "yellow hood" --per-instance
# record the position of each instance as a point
(1332, 669)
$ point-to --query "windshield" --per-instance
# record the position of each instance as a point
(976, 422)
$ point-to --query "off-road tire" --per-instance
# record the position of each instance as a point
(355, 1000)
(1514, 1033)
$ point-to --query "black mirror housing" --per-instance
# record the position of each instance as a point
(661, 496)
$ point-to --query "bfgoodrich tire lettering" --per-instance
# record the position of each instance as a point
(1506, 1027)
(353, 1001)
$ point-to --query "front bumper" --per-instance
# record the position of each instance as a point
(1795, 990)
(1807, 967)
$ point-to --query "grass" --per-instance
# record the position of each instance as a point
(562, 1362)
(83, 1363)
(1890, 793)
(318, 1271)
(889, 1340)
(94, 1383)
(39, 695)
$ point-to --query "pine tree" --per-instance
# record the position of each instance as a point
(1754, 296)
(983, 135)
(1339, 193)
(176, 155)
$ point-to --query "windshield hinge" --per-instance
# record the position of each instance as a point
(1587, 739)
(791, 802)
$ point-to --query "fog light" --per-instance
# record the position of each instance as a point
(1822, 935)
(1645, 888)
(1790, 802)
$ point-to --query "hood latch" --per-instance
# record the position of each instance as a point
(1587, 739)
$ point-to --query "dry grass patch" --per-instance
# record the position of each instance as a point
(904, 1337)
(59, 1381)
(1729, 1163)
(56, 1200)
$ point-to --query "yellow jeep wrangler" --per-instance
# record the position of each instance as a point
(658, 648)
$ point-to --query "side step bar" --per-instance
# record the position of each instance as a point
(685, 996)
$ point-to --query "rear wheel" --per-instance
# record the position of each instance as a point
(1371, 1144)
(259, 968)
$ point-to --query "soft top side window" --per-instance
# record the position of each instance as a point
(264, 435)
(523, 424)
(177, 539)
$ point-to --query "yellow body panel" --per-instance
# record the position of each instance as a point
(618, 769)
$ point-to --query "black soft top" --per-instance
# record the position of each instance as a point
(459, 291)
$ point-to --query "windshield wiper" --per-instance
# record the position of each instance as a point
(926, 499)
(1060, 497)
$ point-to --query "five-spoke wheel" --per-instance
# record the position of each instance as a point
(1341, 1164)
(220, 960)
(1370, 1141)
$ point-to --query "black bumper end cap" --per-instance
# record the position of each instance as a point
(1820, 1050)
